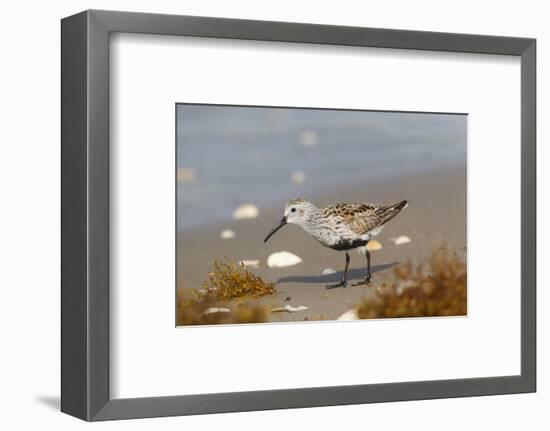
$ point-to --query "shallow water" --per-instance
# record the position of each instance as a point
(228, 156)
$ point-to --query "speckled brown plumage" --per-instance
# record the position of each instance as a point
(363, 217)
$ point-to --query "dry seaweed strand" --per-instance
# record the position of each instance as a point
(229, 280)
(193, 312)
(441, 291)
(228, 286)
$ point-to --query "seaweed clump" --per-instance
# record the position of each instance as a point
(441, 290)
(195, 311)
(225, 298)
(229, 281)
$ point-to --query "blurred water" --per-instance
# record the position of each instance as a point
(228, 156)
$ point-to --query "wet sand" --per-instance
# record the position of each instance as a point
(436, 214)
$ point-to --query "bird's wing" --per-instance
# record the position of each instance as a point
(356, 216)
(364, 217)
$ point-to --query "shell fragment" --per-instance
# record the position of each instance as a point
(298, 177)
(349, 315)
(186, 175)
(246, 211)
(282, 259)
(309, 138)
(227, 234)
(374, 245)
(212, 310)
(289, 308)
(400, 240)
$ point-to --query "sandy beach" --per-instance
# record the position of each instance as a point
(436, 215)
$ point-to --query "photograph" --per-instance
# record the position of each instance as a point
(299, 214)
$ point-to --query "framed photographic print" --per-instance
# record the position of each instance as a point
(262, 215)
(265, 157)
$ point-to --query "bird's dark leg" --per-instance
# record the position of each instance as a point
(345, 278)
(344, 281)
(368, 267)
(368, 277)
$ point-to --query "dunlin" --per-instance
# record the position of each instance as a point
(342, 227)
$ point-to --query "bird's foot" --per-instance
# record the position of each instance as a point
(360, 283)
(342, 283)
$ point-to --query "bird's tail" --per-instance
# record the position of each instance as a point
(387, 212)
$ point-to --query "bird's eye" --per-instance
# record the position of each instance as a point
(293, 210)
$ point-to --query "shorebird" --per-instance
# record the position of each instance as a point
(341, 227)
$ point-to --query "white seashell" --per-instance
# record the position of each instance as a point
(328, 271)
(298, 177)
(282, 259)
(250, 263)
(245, 211)
(401, 240)
(309, 137)
(349, 315)
(227, 234)
(216, 310)
(186, 175)
(374, 245)
(289, 308)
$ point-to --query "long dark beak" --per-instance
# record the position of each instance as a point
(276, 228)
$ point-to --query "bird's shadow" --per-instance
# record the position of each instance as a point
(353, 274)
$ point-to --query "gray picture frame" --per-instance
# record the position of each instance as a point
(85, 214)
